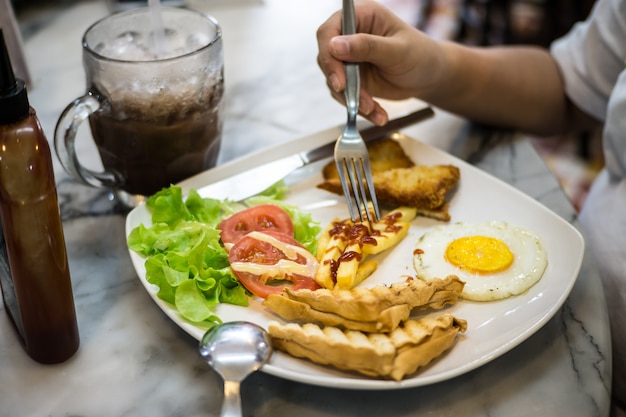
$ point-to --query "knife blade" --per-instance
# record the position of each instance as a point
(254, 180)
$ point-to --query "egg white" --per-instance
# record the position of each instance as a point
(529, 264)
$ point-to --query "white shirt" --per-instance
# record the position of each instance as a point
(592, 59)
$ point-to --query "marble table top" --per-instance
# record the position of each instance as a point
(134, 361)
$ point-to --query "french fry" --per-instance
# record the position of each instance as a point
(348, 266)
(343, 247)
(333, 243)
(392, 228)
(324, 240)
(352, 256)
(365, 270)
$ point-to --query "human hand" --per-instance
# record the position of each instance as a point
(396, 60)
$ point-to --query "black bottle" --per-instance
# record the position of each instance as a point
(34, 270)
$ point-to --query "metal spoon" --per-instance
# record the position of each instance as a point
(235, 350)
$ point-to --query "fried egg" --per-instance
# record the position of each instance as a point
(495, 259)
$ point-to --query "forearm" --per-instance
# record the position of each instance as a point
(517, 87)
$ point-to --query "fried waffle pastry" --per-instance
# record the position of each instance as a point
(377, 309)
(392, 355)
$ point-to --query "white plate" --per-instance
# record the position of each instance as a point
(493, 328)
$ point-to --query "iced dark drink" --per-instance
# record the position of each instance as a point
(154, 101)
(151, 148)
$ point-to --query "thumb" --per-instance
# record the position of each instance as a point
(359, 47)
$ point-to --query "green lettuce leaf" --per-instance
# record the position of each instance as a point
(184, 256)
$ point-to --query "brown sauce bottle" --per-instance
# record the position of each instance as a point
(34, 270)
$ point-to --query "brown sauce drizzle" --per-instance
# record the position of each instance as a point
(358, 233)
(333, 269)
(349, 256)
(340, 228)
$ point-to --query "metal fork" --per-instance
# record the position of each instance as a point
(351, 157)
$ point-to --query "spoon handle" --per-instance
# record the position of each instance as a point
(232, 400)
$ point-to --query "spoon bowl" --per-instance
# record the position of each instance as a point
(235, 350)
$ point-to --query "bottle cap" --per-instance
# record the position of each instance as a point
(14, 104)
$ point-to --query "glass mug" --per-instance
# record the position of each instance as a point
(153, 101)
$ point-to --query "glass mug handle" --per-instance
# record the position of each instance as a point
(64, 142)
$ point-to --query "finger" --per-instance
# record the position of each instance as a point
(369, 108)
(366, 103)
(372, 110)
(338, 96)
(334, 73)
(362, 47)
(379, 116)
(330, 66)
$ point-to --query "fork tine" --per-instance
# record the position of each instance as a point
(358, 187)
(342, 167)
(356, 181)
(365, 165)
(362, 201)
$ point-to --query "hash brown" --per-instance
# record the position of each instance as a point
(398, 181)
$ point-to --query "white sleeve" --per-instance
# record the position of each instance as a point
(591, 56)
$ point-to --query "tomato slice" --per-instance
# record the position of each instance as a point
(266, 262)
(261, 218)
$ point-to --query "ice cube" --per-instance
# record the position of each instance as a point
(128, 46)
(196, 41)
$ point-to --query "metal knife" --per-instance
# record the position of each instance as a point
(254, 180)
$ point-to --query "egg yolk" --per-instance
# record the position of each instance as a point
(479, 254)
